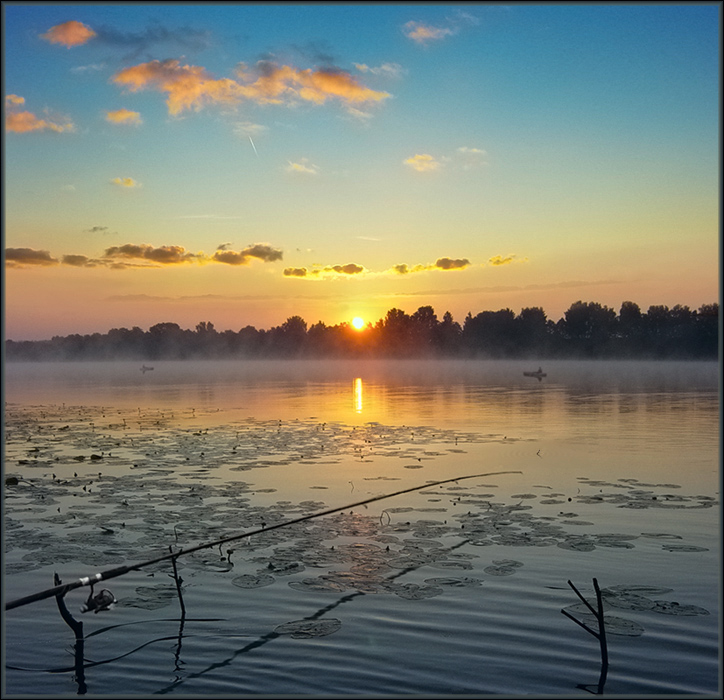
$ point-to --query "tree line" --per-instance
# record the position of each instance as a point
(586, 330)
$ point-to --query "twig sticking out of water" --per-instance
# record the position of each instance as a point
(121, 570)
(178, 581)
(600, 635)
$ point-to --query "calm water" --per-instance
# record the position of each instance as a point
(606, 471)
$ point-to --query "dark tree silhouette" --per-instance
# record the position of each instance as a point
(587, 330)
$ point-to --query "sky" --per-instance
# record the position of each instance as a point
(240, 163)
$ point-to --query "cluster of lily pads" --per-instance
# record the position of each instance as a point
(106, 487)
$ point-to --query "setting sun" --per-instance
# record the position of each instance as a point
(358, 323)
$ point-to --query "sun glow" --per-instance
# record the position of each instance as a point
(358, 323)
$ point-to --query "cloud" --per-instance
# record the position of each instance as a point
(69, 34)
(423, 163)
(143, 255)
(249, 129)
(23, 122)
(191, 87)
(422, 33)
(125, 182)
(389, 70)
(97, 229)
(260, 251)
(163, 255)
(79, 261)
(295, 272)
(89, 67)
(471, 157)
(500, 260)
(123, 116)
(302, 167)
(187, 38)
(439, 264)
(349, 269)
(25, 257)
(451, 263)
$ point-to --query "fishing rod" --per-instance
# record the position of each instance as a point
(64, 588)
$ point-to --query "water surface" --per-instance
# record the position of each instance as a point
(601, 470)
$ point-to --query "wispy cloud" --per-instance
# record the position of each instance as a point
(423, 33)
(500, 260)
(465, 158)
(249, 129)
(187, 38)
(387, 70)
(27, 257)
(193, 88)
(423, 163)
(125, 182)
(471, 157)
(302, 167)
(21, 122)
(124, 116)
(69, 34)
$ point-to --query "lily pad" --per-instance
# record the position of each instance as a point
(253, 580)
(306, 629)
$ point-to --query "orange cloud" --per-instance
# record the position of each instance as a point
(11, 100)
(191, 87)
(123, 116)
(24, 257)
(423, 163)
(69, 34)
(23, 122)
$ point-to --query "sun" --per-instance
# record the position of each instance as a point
(358, 323)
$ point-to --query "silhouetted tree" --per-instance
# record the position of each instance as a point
(589, 327)
(533, 331)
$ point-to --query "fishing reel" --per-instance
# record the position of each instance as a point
(98, 602)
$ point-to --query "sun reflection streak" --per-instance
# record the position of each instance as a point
(358, 395)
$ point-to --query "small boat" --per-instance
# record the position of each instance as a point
(539, 374)
(145, 369)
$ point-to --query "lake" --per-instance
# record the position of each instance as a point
(514, 495)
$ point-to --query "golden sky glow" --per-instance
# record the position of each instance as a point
(240, 164)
